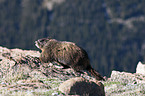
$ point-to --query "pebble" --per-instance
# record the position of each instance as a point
(54, 94)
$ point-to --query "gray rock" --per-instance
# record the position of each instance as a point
(125, 84)
(81, 86)
(140, 68)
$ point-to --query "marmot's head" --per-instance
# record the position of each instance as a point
(40, 43)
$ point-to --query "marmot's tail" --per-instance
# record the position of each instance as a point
(96, 74)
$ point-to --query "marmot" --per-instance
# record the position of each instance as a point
(68, 54)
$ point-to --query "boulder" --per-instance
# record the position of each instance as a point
(140, 68)
(81, 86)
(125, 84)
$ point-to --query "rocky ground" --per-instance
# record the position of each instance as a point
(125, 84)
(22, 74)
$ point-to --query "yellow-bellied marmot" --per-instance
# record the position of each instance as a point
(68, 54)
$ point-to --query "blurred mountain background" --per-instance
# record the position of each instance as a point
(111, 31)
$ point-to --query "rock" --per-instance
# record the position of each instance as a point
(125, 84)
(81, 86)
(125, 77)
(140, 68)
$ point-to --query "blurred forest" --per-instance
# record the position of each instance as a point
(111, 31)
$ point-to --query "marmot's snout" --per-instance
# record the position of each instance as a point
(40, 43)
(36, 44)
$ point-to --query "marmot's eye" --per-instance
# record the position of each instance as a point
(42, 40)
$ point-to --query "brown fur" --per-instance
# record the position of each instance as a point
(67, 54)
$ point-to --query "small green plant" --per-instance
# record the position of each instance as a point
(13, 76)
(111, 83)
